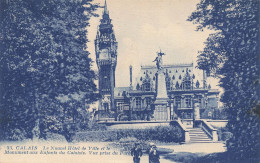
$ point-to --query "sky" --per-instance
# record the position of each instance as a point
(143, 27)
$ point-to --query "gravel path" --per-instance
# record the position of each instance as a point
(113, 157)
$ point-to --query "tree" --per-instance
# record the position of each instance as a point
(47, 77)
(231, 54)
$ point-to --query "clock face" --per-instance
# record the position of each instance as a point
(104, 54)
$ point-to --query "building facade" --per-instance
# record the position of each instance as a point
(184, 88)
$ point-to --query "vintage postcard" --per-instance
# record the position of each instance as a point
(139, 81)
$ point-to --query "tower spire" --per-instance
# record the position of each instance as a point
(105, 7)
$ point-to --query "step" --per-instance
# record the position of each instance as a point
(196, 131)
(199, 138)
(201, 142)
(197, 135)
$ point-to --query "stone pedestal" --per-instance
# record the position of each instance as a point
(196, 112)
(161, 111)
(160, 106)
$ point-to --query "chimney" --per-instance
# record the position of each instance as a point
(131, 74)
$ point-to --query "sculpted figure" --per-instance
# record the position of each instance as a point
(158, 60)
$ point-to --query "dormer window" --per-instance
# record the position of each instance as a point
(146, 85)
(187, 84)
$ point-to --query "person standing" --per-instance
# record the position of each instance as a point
(136, 152)
(153, 154)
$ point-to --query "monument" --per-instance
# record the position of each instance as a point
(161, 111)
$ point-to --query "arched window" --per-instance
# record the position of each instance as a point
(137, 86)
(197, 84)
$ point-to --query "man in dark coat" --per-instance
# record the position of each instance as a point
(153, 154)
(136, 152)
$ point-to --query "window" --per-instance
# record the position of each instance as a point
(187, 81)
(168, 83)
(106, 106)
(188, 101)
(177, 86)
(137, 86)
(178, 102)
(189, 115)
(199, 99)
(120, 106)
(197, 84)
(187, 84)
(138, 102)
(148, 101)
(146, 86)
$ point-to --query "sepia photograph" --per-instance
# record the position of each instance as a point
(129, 81)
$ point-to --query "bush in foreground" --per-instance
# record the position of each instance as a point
(160, 133)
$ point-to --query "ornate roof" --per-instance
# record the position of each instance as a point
(175, 73)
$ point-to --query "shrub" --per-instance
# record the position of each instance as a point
(224, 134)
(94, 126)
(160, 133)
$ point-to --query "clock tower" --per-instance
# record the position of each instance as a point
(106, 58)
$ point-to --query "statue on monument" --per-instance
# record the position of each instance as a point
(161, 110)
(158, 60)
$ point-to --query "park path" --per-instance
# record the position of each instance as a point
(88, 158)
(197, 147)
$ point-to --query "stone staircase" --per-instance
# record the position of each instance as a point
(197, 135)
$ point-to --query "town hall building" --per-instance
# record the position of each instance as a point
(160, 92)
